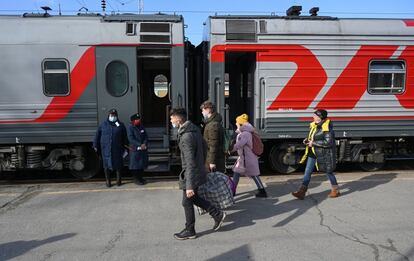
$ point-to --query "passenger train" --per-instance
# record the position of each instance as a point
(59, 75)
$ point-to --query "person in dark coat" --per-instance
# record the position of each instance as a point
(193, 148)
(320, 153)
(111, 142)
(214, 136)
(138, 142)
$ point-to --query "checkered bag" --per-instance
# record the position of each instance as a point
(217, 191)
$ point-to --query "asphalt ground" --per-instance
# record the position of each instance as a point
(371, 220)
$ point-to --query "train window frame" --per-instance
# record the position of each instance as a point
(157, 90)
(46, 71)
(127, 79)
(392, 90)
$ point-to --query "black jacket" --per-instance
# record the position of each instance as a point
(193, 150)
(325, 148)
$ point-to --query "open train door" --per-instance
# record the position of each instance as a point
(116, 71)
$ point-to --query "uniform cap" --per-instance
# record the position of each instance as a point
(135, 116)
(113, 111)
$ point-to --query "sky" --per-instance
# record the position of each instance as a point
(195, 12)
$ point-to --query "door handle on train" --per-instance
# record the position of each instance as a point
(132, 88)
(262, 102)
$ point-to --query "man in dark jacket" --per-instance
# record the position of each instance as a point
(138, 156)
(112, 142)
(193, 174)
(214, 136)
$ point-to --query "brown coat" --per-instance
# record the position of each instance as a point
(214, 137)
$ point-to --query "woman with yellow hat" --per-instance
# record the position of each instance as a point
(247, 163)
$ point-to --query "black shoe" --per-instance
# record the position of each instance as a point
(107, 178)
(261, 193)
(185, 234)
(118, 178)
(140, 181)
(219, 221)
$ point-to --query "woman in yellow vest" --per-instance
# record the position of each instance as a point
(320, 153)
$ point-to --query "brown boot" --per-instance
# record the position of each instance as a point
(334, 192)
(300, 194)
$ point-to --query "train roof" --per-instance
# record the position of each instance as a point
(309, 25)
(106, 18)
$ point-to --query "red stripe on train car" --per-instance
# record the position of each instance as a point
(352, 83)
(305, 84)
(409, 22)
(80, 77)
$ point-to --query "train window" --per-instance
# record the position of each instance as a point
(386, 77)
(161, 86)
(241, 30)
(55, 74)
(155, 27)
(116, 78)
(226, 85)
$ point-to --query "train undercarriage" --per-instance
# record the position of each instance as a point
(368, 154)
(80, 159)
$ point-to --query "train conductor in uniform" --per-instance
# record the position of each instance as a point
(138, 142)
(112, 142)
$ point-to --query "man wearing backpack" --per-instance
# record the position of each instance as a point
(247, 163)
(214, 137)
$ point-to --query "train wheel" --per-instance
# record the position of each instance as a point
(277, 162)
(92, 165)
(371, 166)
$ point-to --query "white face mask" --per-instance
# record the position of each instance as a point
(112, 118)
(174, 125)
(205, 115)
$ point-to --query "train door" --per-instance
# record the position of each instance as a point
(116, 71)
(239, 85)
(154, 81)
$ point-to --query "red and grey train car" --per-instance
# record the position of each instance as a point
(59, 76)
(279, 69)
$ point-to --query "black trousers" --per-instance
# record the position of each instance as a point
(188, 204)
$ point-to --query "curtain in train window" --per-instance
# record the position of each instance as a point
(386, 77)
(116, 76)
(55, 74)
(160, 86)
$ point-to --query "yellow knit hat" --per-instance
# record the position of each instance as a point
(242, 119)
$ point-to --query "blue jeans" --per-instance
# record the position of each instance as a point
(310, 165)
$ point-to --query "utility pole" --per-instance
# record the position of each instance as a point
(103, 5)
(141, 6)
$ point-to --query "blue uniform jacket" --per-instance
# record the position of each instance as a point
(137, 135)
(111, 140)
